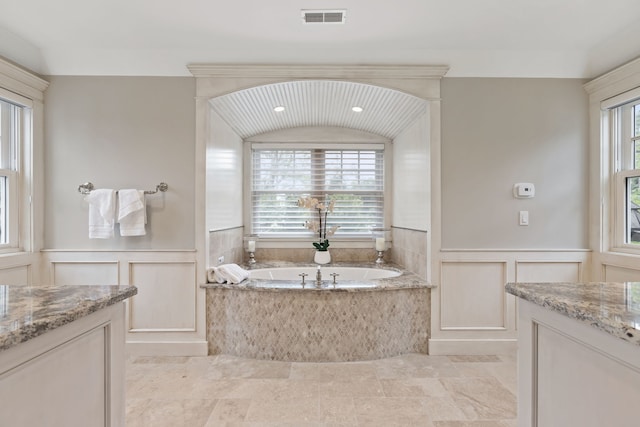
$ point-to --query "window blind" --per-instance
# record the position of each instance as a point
(354, 178)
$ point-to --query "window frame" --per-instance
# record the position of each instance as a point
(618, 117)
(16, 174)
(293, 241)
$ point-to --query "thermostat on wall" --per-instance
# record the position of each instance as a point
(524, 190)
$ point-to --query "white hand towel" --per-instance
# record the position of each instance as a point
(131, 212)
(214, 276)
(102, 213)
(233, 273)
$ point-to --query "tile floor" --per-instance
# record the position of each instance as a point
(410, 390)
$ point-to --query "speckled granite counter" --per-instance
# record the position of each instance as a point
(29, 311)
(611, 307)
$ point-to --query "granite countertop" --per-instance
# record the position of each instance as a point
(29, 311)
(406, 280)
(609, 306)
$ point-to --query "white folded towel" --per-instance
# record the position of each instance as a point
(102, 212)
(230, 273)
(131, 212)
(214, 277)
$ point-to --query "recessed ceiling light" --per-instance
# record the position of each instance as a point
(278, 109)
(357, 109)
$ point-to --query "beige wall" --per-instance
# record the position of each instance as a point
(497, 132)
(120, 132)
(137, 131)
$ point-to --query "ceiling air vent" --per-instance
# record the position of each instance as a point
(324, 16)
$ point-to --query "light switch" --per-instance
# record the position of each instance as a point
(524, 217)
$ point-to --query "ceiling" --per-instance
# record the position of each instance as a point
(315, 103)
(482, 38)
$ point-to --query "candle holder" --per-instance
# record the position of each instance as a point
(250, 245)
(380, 238)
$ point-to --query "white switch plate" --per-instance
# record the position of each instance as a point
(524, 217)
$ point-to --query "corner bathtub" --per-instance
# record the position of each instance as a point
(370, 313)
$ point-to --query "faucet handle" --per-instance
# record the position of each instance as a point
(303, 275)
(334, 275)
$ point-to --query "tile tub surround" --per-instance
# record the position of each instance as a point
(611, 307)
(29, 311)
(319, 324)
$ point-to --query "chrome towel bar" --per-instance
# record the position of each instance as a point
(88, 186)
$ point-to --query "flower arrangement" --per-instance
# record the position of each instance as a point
(319, 226)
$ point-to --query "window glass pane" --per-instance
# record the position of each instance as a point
(4, 216)
(633, 210)
(636, 135)
(352, 178)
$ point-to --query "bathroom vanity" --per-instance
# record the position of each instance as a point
(62, 355)
(578, 354)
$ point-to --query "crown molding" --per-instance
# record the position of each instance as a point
(630, 70)
(289, 71)
(21, 81)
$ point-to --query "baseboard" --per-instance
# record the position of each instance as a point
(176, 348)
(449, 347)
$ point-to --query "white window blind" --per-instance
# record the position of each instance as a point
(354, 178)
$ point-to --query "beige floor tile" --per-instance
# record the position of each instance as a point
(474, 358)
(333, 372)
(354, 388)
(391, 412)
(413, 387)
(171, 413)
(337, 411)
(409, 390)
(228, 411)
(481, 398)
(302, 410)
(493, 423)
(235, 367)
(443, 408)
(275, 389)
(416, 366)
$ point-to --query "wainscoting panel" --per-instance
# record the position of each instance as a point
(166, 317)
(16, 275)
(548, 271)
(470, 311)
(473, 293)
(85, 273)
(615, 273)
(166, 300)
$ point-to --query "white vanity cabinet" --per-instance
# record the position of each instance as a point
(62, 356)
(578, 354)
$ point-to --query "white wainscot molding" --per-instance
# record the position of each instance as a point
(19, 268)
(470, 311)
(617, 267)
(166, 317)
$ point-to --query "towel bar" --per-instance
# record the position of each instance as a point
(88, 186)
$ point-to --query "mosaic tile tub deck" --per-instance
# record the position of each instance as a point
(291, 323)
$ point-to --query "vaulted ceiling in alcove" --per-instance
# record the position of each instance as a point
(318, 103)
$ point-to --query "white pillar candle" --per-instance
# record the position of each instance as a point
(251, 246)
(380, 244)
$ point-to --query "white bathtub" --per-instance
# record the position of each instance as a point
(344, 273)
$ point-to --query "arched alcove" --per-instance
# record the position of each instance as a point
(235, 103)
